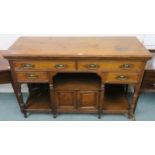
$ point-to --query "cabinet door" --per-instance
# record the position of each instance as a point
(65, 100)
(88, 100)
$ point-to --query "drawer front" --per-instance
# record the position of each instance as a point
(148, 85)
(121, 78)
(32, 76)
(109, 65)
(44, 65)
(149, 76)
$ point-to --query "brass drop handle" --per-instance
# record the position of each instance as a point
(92, 66)
(126, 66)
(122, 77)
(60, 66)
(31, 76)
(26, 66)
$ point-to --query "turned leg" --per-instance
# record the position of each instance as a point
(17, 90)
(25, 114)
(135, 96)
(101, 101)
(134, 101)
(52, 101)
(19, 96)
(126, 88)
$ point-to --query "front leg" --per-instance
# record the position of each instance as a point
(52, 100)
(20, 99)
(134, 101)
(101, 100)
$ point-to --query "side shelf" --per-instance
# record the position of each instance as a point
(115, 100)
(39, 99)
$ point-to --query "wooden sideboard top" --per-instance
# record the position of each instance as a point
(106, 47)
(4, 65)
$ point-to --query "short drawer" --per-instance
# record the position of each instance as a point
(109, 65)
(44, 65)
(32, 76)
(121, 78)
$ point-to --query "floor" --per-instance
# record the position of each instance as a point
(9, 111)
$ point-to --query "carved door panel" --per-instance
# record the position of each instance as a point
(88, 99)
(65, 99)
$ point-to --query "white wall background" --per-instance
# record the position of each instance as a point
(6, 40)
(77, 17)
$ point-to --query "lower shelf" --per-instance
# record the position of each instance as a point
(115, 101)
(39, 103)
(118, 105)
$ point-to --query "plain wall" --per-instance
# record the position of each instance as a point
(6, 40)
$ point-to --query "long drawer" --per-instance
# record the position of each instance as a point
(90, 65)
(45, 65)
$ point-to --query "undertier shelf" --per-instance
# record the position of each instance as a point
(39, 100)
(115, 100)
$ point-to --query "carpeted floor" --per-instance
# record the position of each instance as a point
(9, 111)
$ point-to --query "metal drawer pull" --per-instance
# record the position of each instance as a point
(60, 66)
(126, 66)
(153, 84)
(27, 66)
(31, 76)
(92, 66)
(122, 77)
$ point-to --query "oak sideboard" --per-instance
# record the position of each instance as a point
(78, 74)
